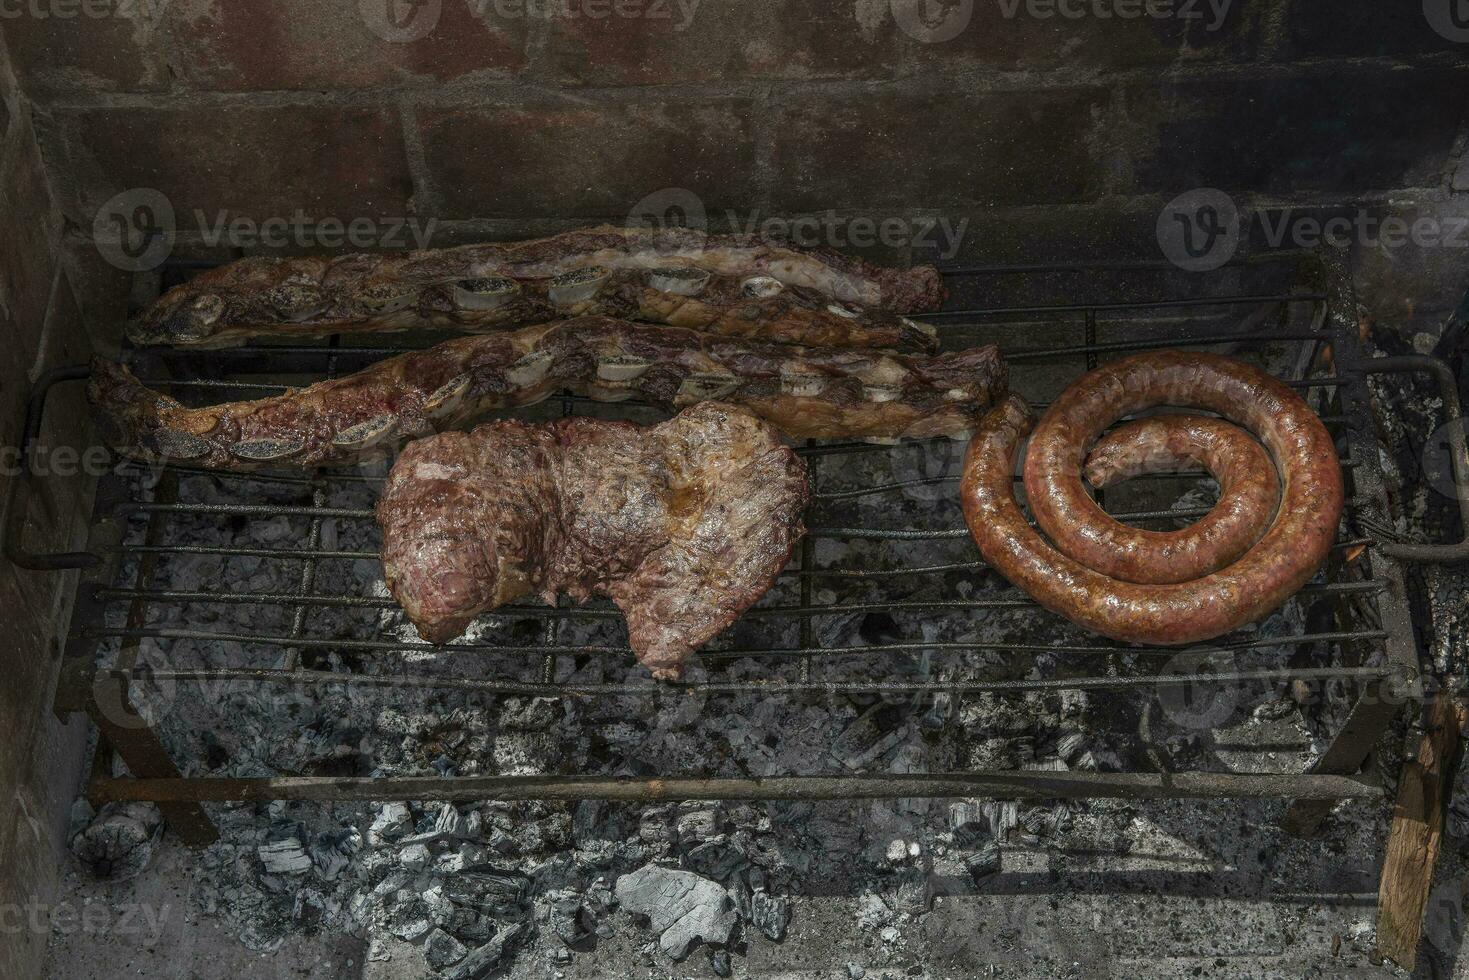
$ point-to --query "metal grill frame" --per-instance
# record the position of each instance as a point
(106, 695)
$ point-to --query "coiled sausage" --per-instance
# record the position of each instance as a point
(1274, 567)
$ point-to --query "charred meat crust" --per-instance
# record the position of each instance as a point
(684, 525)
(1291, 550)
(824, 298)
(803, 392)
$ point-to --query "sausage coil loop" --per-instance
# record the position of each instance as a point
(1238, 563)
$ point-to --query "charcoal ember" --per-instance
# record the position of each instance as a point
(770, 914)
(284, 852)
(529, 714)
(503, 843)
(332, 851)
(720, 964)
(118, 843)
(441, 950)
(717, 859)
(1070, 747)
(697, 825)
(682, 907)
(569, 919)
(984, 862)
(488, 890)
(416, 914)
(392, 821)
(482, 962)
(445, 824)
(915, 892)
(415, 857)
(1002, 817)
(588, 821)
(872, 736)
(967, 822)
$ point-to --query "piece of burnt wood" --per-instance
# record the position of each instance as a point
(1417, 830)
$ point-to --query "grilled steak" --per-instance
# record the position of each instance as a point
(683, 524)
(813, 392)
(730, 285)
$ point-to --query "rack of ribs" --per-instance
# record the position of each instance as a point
(735, 286)
(684, 524)
(805, 392)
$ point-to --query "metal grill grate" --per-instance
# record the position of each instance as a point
(903, 524)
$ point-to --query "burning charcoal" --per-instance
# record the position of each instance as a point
(1070, 747)
(915, 892)
(391, 822)
(118, 843)
(1035, 821)
(441, 950)
(683, 907)
(488, 890)
(586, 823)
(966, 820)
(855, 972)
(529, 714)
(872, 911)
(699, 825)
(719, 963)
(716, 859)
(333, 850)
(285, 854)
(483, 961)
(451, 823)
(569, 920)
(897, 851)
(868, 739)
(984, 862)
(1002, 818)
(770, 914)
(415, 857)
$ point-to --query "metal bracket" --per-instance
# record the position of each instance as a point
(18, 502)
(1448, 389)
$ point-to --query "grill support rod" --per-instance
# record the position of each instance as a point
(1002, 785)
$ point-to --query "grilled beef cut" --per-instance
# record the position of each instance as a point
(805, 392)
(730, 285)
(684, 524)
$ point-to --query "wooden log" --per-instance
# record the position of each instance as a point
(1417, 830)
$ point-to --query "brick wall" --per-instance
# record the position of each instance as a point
(41, 322)
(1057, 128)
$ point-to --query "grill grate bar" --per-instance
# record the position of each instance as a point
(1011, 600)
(603, 649)
(269, 675)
